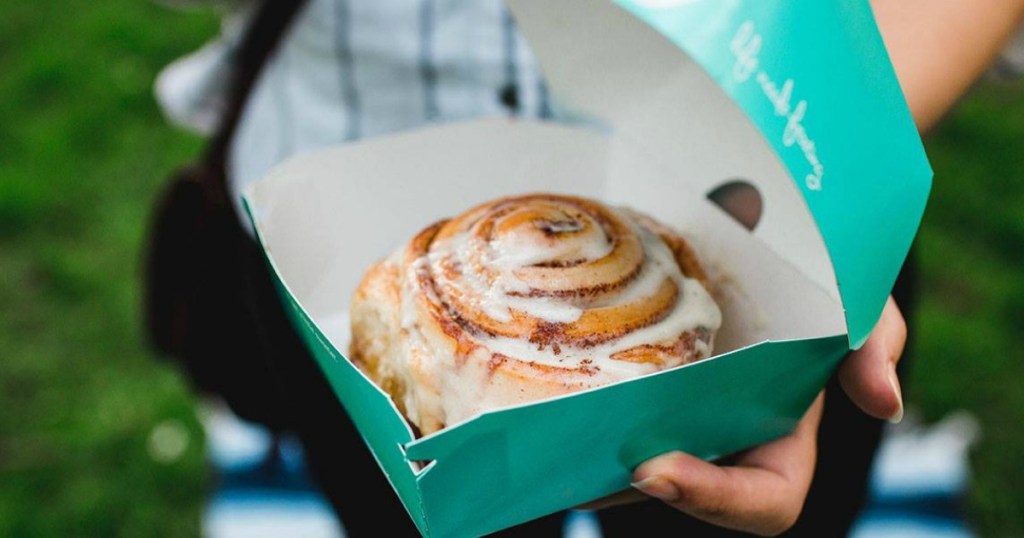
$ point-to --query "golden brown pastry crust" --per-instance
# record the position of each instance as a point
(524, 298)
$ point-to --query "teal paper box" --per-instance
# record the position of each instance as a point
(796, 98)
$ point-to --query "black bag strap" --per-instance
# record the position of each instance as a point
(263, 34)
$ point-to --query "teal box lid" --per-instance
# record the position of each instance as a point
(675, 128)
(815, 80)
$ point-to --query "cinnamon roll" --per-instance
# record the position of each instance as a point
(524, 298)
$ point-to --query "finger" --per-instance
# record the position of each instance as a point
(763, 494)
(868, 375)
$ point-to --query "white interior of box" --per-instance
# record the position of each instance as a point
(326, 217)
(602, 62)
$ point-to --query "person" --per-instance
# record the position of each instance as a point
(350, 69)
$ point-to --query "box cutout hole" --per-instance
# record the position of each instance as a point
(740, 200)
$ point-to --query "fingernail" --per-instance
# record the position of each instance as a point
(897, 417)
(658, 487)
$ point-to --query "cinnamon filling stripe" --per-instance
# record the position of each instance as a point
(459, 312)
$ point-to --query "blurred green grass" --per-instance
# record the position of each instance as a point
(82, 151)
(972, 307)
(84, 406)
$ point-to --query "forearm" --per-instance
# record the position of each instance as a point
(940, 47)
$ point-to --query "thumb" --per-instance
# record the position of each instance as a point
(763, 492)
(868, 375)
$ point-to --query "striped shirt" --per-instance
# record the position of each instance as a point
(350, 69)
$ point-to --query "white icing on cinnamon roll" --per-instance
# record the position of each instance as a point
(525, 298)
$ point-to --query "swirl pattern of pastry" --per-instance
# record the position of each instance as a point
(524, 298)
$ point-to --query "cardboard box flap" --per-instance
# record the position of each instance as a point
(809, 113)
(324, 217)
(499, 473)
